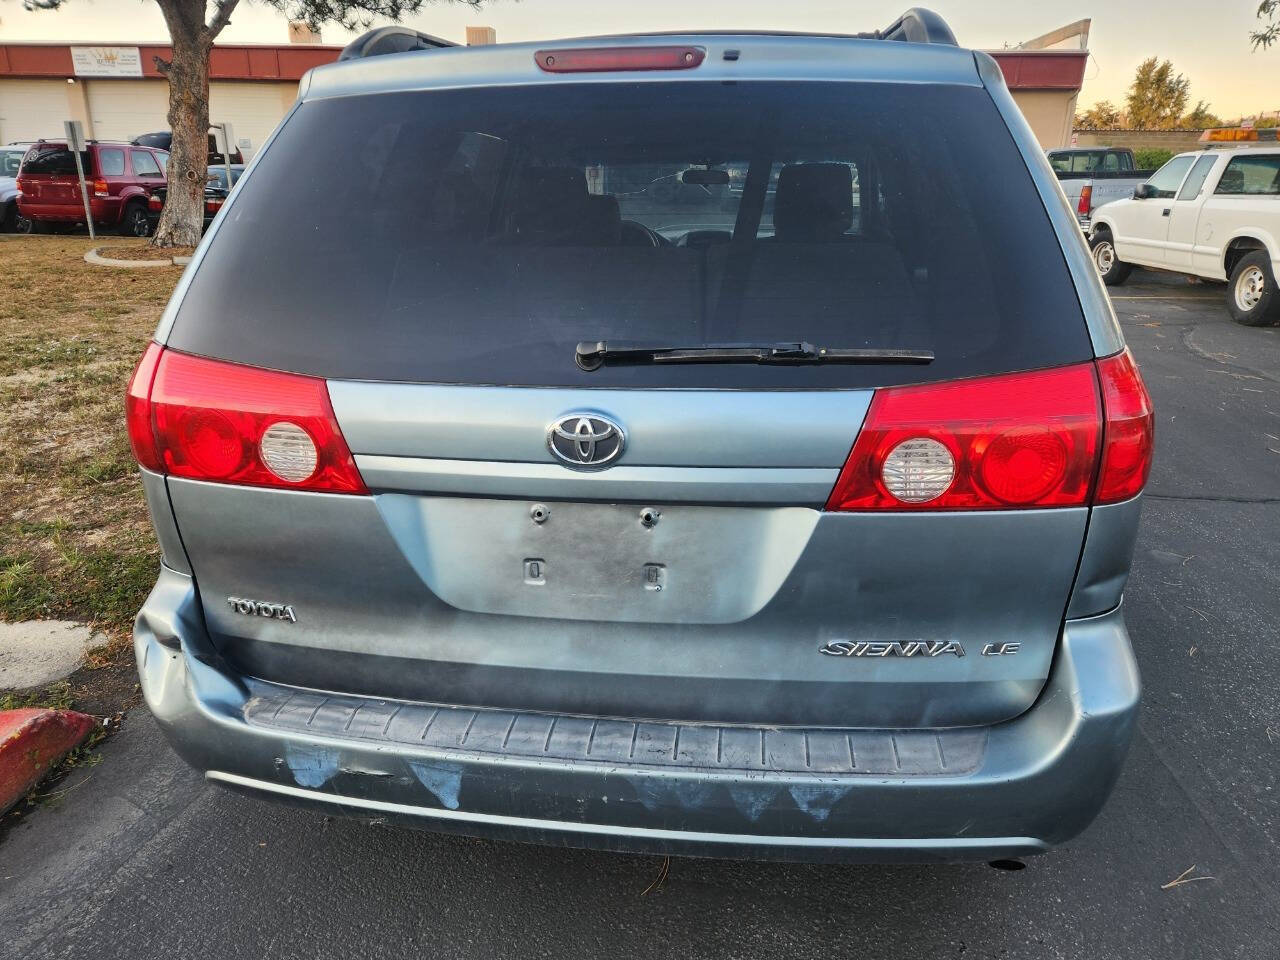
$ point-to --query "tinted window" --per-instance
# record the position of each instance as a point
(478, 235)
(57, 161)
(162, 158)
(1258, 176)
(144, 164)
(161, 140)
(111, 163)
(1111, 162)
(1195, 180)
(1168, 177)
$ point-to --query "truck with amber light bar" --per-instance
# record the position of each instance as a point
(1214, 214)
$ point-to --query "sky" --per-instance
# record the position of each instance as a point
(1207, 42)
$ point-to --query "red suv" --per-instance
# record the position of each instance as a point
(119, 177)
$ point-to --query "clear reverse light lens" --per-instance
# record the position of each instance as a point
(288, 451)
(918, 470)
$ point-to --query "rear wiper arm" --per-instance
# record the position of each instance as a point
(592, 355)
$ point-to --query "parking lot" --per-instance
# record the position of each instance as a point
(139, 857)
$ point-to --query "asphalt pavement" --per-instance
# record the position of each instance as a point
(140, 858)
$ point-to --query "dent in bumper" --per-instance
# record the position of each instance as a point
(1045, 774)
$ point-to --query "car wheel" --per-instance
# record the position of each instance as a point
(1111, 268)
(135, 222)
(1252, 297)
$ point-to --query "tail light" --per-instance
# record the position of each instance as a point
(1085, 203)
(155, 204)
(1024, 440)
(606, 59)
(101, 188)
(227, 423)
(1129, 438)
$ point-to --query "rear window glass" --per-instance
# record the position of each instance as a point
(478, 235)
(1257, 176)
(111, 163)
(57, 161)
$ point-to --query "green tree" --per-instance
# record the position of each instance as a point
(1157, 96)
(1103, 115)
(1199, 117)
(193, 26)
(1269, 14)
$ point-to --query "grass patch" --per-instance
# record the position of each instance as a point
(75, 541)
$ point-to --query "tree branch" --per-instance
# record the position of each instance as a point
(162, 65)
(221, 17)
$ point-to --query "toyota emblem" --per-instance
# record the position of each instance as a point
(585, 441)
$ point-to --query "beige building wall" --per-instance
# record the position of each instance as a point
(122, 109)
(1050, 114)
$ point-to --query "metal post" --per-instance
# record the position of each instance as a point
(75, 141)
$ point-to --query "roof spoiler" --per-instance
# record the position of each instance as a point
(918, 25)
(390, 40)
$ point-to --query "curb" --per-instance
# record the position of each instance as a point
(31, 742)
(92, 256)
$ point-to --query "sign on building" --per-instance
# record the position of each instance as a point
(106, 61)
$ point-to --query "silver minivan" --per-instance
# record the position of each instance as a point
(710, 444)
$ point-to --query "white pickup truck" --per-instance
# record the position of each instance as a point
(1212, 214)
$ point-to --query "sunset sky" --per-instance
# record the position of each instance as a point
(1208, 43)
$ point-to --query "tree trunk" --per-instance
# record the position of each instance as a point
(182, 220)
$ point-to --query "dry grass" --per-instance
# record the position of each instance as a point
(143, 251)
(75, 541)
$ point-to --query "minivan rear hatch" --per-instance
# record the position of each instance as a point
(653, 535)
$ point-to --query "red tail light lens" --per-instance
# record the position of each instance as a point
(101, 188)
(1129, 440)
(228, 423)
(605, 59)
(155, 204)
(996, 443)
(1085, 203)
(137, 410)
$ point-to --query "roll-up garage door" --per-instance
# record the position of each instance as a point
(31, 109)
(123, 109)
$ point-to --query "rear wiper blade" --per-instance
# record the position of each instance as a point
(592, 355)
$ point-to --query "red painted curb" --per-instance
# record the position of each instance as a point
(31, 742)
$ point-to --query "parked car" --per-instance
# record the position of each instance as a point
(118, 176)
(1092, 177)
(163, 140)
(11, 221)
(503, 511)
(1212, 214)
(215, 194)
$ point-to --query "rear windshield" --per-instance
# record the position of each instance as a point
(478, 235)
(58, 161)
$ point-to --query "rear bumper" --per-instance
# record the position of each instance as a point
(1012, 789)
(71, 212)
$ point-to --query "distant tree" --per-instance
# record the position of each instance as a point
(1199, 117)
(1157, 96)
(193, 27)
(1103, 115)
(1269, 14)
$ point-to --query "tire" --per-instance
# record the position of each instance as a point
(1110, 268)
(1252, 296)
(9, 218)
(134, 221)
